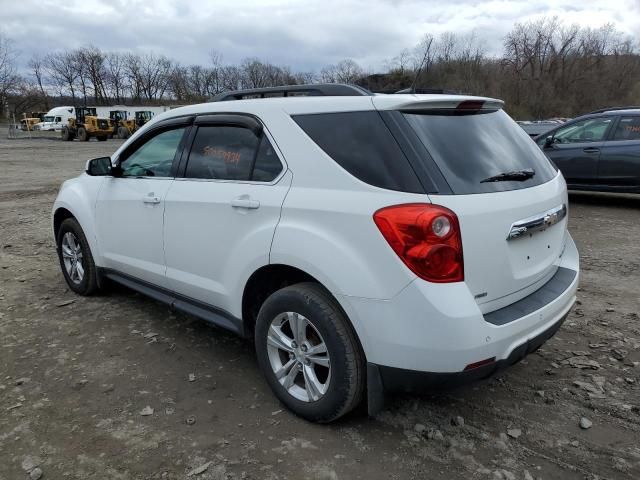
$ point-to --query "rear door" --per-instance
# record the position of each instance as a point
(472, 148)
(619, 165)
(575, 149)
(222, 211)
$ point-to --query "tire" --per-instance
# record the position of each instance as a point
(122, 132)
(344, 378)
(66, 135)
(83, 136)
(102, 138)
(87, 283)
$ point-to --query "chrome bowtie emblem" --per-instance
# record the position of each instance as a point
(537, 222)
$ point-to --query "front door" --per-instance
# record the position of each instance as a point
(130, 206)
(576, 149)
(221, 215)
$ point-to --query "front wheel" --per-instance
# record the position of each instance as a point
(66, 135)
(309, 353)
(83, 136)
(76, 259)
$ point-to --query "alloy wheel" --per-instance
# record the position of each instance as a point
(299, 356)
(72, 257)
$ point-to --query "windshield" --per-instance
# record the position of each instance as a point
(474, 147)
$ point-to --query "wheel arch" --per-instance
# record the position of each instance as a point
(76, 200)
(59, 216)
(272, 277)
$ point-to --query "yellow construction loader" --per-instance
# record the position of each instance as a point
(125, 126)
(122, 125)
(87, 124)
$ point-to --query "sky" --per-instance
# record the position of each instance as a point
(304, 34)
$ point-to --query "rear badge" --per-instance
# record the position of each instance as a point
(481, 295)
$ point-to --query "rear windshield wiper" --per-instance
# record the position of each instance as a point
(517, 175)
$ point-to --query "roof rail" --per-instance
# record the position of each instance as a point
(609, 109)
(432, 91)
(317, 89)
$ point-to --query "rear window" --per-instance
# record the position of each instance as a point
(473, 147)
(362, 144)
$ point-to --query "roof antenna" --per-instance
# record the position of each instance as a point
(427, 49)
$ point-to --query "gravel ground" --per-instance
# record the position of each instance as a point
(119, 387)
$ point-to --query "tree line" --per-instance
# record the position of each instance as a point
(547, 68)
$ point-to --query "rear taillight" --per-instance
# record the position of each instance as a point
(426, 238)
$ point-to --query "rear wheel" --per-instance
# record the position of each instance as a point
(83, 136)
(76, 259)
(309, 353)
(122, 132)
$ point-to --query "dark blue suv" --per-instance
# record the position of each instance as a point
(598, 151)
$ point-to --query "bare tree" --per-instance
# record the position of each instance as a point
(36, 64)
(115, 78)
(9, 78)
(61, 67)
(345, 71)
(153, 75)
(92, 62)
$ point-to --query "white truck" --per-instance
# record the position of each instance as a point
(55, 119)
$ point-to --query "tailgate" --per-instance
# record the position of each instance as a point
(511, 240)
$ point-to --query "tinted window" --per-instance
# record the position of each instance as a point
(589, 130)
(222, 153)
(154, 157)
(628, 129)
(267, 166)
(473, 147)
(362, 144)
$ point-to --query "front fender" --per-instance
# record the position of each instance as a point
(79, 196)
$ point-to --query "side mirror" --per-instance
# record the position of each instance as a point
(99, 167)
(548, 142)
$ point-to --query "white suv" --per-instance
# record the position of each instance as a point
(367, 243)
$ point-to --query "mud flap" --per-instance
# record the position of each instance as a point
(375, 390)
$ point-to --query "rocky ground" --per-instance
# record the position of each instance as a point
(118, 387)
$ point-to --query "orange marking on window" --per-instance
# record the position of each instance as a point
(228, 156)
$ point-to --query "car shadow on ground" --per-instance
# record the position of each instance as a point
(605, 199)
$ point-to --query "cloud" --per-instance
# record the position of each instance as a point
(305, 35)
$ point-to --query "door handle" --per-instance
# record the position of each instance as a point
(151, 198)
(245, 202)
(591, 150)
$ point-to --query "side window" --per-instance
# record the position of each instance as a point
(589, 130)
(231, 153)
(267, 166)
(628, 129)
(361, 143)
(154, 158)
(58, 119)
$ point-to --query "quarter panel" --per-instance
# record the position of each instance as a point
(331, 235)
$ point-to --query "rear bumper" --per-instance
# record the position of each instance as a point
(402, 380)
(439, 328)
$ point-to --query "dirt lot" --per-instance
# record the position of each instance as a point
(76, 373)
